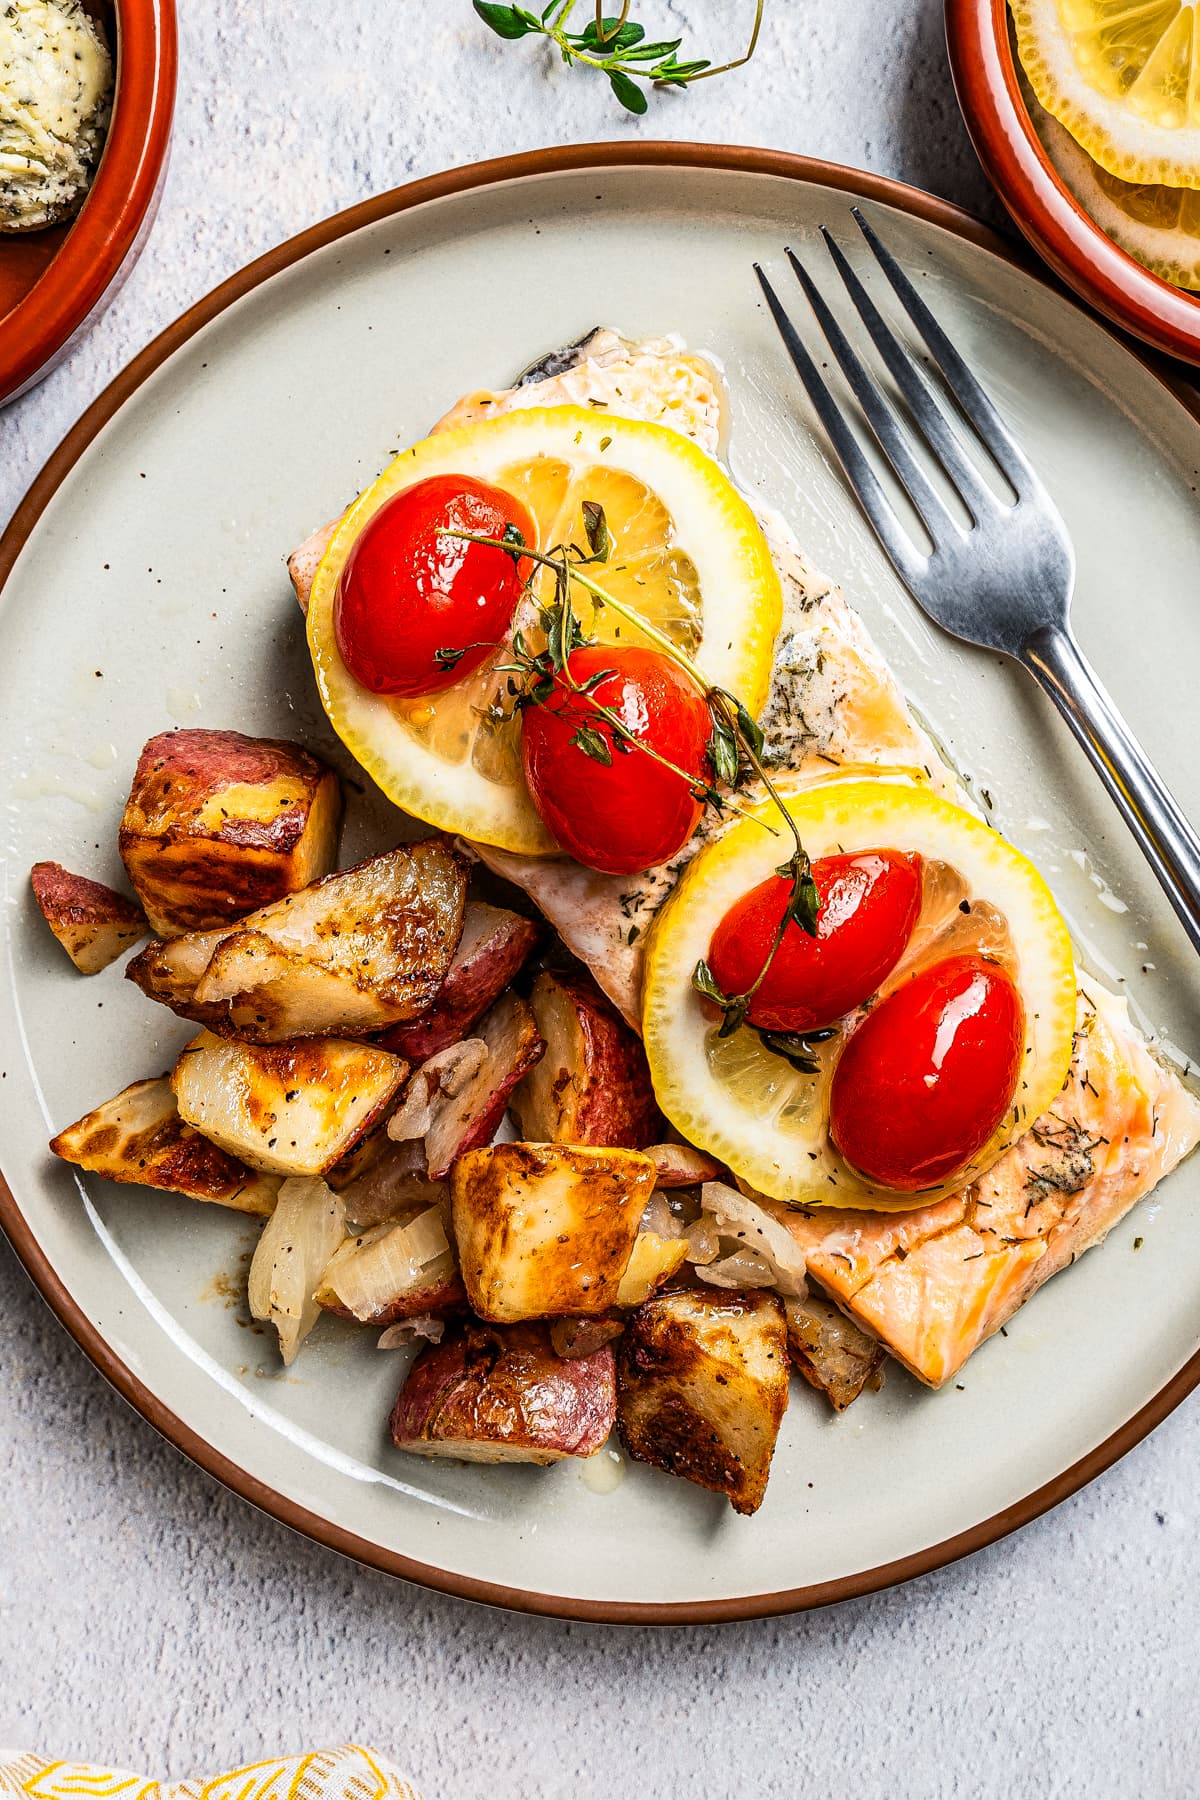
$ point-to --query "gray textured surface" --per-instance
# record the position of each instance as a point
(148, 1617)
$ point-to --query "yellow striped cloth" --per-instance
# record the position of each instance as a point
(350, 1773)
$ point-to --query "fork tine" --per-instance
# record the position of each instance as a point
(857, 468)
(878, 413)
(992, 430)
(923, 403)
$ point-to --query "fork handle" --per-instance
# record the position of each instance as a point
(1168, 842)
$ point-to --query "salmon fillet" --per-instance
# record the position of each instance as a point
(933, 1283)
(930, 1284)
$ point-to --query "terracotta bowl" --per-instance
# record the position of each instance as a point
(1006, 139)
(55, 283)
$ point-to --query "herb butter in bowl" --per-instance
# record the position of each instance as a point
(87, 91)
(56, 85)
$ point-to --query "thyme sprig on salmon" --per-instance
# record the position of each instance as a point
(734, 752)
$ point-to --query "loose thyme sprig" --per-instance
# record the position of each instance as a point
(616, 45)
(735, 752)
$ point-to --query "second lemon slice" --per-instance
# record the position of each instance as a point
(770, 1122)
(1123, 76)
(687, 554)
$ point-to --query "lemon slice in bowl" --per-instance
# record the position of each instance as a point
(748, 1106)
(687, 554)
(1123, 76)
(1158, 226)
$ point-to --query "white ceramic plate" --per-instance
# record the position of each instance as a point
(147, 587)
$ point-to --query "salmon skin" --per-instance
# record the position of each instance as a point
(933, 1283)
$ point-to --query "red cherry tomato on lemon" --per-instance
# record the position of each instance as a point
(928, 1076)
(631, 813)
(869, 903)
(408, 590)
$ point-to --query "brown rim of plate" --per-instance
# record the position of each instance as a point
(616, 1612)
(1017, 163)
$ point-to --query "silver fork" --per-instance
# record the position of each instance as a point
(1005, 580)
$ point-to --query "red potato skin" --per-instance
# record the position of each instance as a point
(441, 1301)
(609, 1101)
(483, 1127)
(505, 1385)
(194, 872)
(474, 981)
(92, 922)
(620, 1109)
(680, 1166)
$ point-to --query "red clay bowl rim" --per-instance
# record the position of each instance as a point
(109, 223)
(71, 1314)
(1008, 145)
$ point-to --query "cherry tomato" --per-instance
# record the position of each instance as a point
(928, 1076)
(630, 813)
(869, 903)
(408, 590)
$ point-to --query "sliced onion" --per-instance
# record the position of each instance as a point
(412, 1331)
(703, 1241)
(745, 1225)
(659, 1218)
(369, 1274)
(308, 1224)
(741, 1269)
(669, 1219)
(394, 1184)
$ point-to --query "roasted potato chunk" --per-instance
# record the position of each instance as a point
(501, 1395)
(593, 1084)
(288, 1109)
(139, 1138)
(350, 955)
(493, 946)
(218, 824)
(546, 1229)
(702, 1387)
(833, 1354)
(91, 922)
(456, 1100)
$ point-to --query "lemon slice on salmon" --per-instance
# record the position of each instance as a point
(1123, 76)
(687, 554)
(748, 1106)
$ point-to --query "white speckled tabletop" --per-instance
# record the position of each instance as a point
(148, 1617)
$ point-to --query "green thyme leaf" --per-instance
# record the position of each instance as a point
(748, 726)
(505, 21)
(705, 982)
(515, 538)
(610, 35)
(632, 97)
(793, 1049)
(448, 659)
(595, 526)
(805, 902)
(723, 752)
(593, 743)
